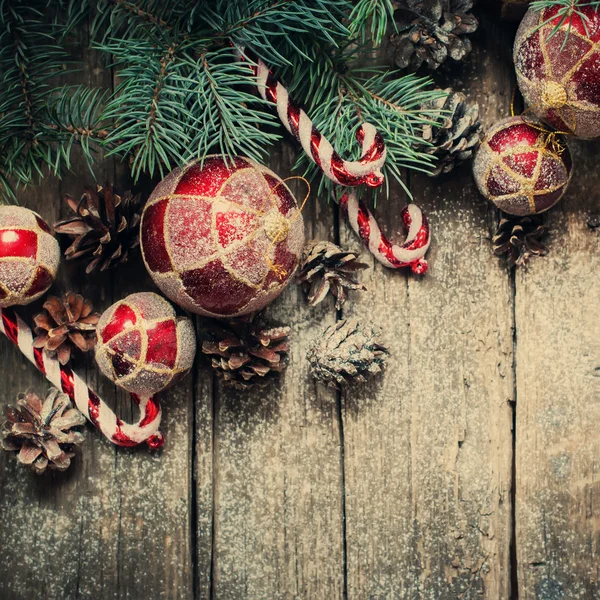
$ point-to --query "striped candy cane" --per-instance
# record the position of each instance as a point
(366, 170)
(410, 254)
(94, 409)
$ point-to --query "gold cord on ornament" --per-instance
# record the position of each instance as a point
(277, 227)
(552, 139)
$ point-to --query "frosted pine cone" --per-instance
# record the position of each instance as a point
(346, 352)
(458, 133)
(325, 268)
(41, 433)
(431, 31)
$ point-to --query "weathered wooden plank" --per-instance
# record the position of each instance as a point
(117, 523)
(558, 400)
(277, 480)
(428, 446)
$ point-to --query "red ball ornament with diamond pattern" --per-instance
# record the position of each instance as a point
(29, 256)
(522, 167)
(143, 346)
(558, 70)
(222, 238)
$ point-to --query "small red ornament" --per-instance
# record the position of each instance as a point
(222, 239)
(29, 256)
(143, 346)
(558, 70)
(522, 167)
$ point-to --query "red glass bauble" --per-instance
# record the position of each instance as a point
(29, 256)
(522, 167)
(558, 70)
(222, 238)
(143, 346)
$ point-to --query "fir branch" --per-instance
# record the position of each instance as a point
(394, 104)
(369, 19)
(566, 10)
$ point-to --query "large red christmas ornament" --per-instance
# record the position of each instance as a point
(222, 238)
(559, 70)
(522, 167)
(143, 346)
(29, 256)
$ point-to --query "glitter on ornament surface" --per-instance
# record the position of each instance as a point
(522, 167)
(558, 71)
(208, 236)
(143, 346)
(29, 256)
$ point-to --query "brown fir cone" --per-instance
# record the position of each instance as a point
(41, 432)
(457, 134)
(105, 227)
(347, 351)
(66, 324)
(325, 268)
(243, 353)
(431, 31)
(519, 239)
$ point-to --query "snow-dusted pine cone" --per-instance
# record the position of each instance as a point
(345, 352)
(41, 432)
(243, 354)
(325, 268)
(431, 31)
(458, 133)
(520, 239)
(105, 227)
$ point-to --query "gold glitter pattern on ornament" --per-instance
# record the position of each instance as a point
(503, 178)
(29, 256)
(560, 80)
(243, 199)
(149, 351)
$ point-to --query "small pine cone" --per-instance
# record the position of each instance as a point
(326, 268)
(41, 432)
(66, 324)
(430, 31)
(243, 354)
(520, 239)
(346, 352)
(458, 132)
(105, 227)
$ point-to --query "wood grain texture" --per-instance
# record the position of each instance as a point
(558, 400)
(428, 447)
(277, 472)
(117, 524)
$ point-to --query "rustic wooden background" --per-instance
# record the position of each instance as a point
(471, 469)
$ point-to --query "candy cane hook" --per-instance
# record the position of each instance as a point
(410, 254)
(92, 407)
(367, 169)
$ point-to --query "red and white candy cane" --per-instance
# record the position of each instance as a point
(94, 409)
(410, 254)
(351, 173)
(367, 169)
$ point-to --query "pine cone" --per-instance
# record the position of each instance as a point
(105, 227)
(41, 432)
(66, 324)
(243, 354)
(325, 268)
(346, 352)
(430, 31)
(519, 239)
(458, 133)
